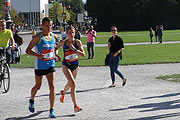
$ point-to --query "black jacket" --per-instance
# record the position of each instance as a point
(116, 44)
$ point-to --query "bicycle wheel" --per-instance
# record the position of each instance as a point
(1, 74)
(6, 78)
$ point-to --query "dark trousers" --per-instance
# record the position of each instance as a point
(90, 48)
(113, 64)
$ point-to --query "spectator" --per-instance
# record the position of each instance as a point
(91, 42)
(13, 30)
(156, 32)
(77, 34)
(160, 33)
(115, 46)
(151, 34)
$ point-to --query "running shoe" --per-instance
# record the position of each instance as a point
(62, 98)
(31, 106)
(77, 109)
(52, 115)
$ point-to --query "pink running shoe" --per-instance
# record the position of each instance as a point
(62, 98)
(77, 109)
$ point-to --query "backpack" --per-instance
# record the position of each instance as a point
(21, 41)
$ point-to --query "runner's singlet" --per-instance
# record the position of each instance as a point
(70, 57)
(45, 47)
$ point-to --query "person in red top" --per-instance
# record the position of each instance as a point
(91, 42)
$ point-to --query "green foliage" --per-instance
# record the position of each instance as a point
(55, 12)
(2, 9)
(13, 15)
(134, 14)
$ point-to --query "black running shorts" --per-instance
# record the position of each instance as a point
(44, 72)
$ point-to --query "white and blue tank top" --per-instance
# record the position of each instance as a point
(45, 47)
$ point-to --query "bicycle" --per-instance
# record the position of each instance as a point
(4, 70)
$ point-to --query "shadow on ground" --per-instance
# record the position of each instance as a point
(162, 96)
(158, 116)
(30, 117)
(174, 104)
(78, 91)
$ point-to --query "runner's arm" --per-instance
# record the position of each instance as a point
(81, 49)
(33, 42)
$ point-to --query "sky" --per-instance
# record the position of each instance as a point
(84, 1)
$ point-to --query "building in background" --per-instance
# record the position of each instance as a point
(34, 10)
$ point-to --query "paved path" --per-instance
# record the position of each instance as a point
(143, 98)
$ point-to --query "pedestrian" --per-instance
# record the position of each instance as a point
(91, 42)
(151, 34)
(72, 48)
(6, 37)
(77, 34)
(115, 46)
(13, 30)
(160, 33)
(156, 33)
(19, 41)
(44, 42)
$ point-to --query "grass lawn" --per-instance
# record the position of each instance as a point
(137, 54)
(171, 78)
(134, 37)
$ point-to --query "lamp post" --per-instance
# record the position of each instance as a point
(7, 4)
(64, 16)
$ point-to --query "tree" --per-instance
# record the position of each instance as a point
(2, 9)
(55, 12)
(13, 14)
(76, 6)
(134, 14)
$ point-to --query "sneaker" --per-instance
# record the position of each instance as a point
(62, 98)
(51, 114)
(77, 109)
(31, 106)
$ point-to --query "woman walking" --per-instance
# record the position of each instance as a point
(115, 46)
(72, 48)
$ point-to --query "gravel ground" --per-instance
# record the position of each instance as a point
(142, 98)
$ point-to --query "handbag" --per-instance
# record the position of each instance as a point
(107, 60)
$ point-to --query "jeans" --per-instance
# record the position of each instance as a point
(90, 48)
(113, 64)
(160, 38)
(12, 56)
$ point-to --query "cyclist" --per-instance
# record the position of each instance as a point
(44, 42)
(6, 35)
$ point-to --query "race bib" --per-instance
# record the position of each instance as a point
(48, 54)
(71, 56)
